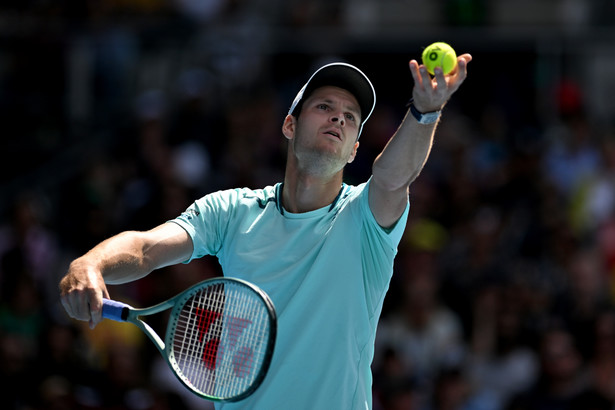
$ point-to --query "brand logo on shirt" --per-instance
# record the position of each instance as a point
(262, 203)
(191, 213)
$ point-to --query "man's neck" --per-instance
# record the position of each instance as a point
(304, 194)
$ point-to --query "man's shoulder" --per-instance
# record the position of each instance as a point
(350, 193)
(242, 197)
(260, 197)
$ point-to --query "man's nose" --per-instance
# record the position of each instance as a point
(338, 118)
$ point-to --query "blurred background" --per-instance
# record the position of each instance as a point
(117, 114)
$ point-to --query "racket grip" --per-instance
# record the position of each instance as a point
(114, 310)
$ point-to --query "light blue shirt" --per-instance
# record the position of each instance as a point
(327, 272)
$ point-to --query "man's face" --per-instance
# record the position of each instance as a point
(324, 137)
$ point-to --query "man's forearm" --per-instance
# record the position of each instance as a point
(405, 154)
(119, 259)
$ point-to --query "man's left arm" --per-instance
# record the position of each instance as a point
(407, 151)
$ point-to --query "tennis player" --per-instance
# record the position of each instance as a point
(323, 250)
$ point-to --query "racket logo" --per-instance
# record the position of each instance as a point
(210, 328)
(242, 362)
(242, 359)
(205, 320)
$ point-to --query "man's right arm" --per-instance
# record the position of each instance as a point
(123, 258)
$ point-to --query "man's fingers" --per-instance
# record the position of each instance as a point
(66, 305)
(462, 66)
(461, 74)
(85, 305)
(416, 74)
(425, 78)
(440, 79)
(95, 307)
(81, 305)
(73, 304)
(466, 57)
(462, 61)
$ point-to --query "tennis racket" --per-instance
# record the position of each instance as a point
(219, 339)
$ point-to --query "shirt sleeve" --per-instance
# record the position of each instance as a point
(205, 221)
(378, 250)
(392, 234)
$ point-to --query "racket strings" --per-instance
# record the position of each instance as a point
(247, 340)
(199, 318)
(221, 339)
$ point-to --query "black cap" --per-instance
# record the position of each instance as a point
(344, 76)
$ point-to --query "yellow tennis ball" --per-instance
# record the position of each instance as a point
(439, 55)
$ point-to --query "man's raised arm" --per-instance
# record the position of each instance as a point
(407, 151)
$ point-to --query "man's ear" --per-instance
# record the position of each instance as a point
(354, 152)
(288, 127)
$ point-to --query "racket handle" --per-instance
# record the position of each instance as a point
(114, 310)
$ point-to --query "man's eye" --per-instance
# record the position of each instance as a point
(350, 117)
(322, 106)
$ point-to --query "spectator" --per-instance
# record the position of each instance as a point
(562, 376)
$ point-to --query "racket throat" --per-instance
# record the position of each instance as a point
(152, 335)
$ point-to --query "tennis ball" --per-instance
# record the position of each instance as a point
(439, 55)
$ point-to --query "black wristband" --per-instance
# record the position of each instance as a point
(424, 118)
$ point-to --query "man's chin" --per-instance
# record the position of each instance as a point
(321, 163)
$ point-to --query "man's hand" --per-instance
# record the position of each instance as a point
(431, 93)
(82, 291)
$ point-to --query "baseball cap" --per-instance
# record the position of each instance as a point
(344, 76)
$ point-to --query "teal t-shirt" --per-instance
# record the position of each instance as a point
(327, 272)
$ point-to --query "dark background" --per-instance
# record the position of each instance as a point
(116, 115)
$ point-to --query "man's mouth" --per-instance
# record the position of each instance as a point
(333, 133)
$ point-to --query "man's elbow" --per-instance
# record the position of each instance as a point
(392, 182)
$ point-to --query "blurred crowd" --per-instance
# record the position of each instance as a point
(117, 115)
